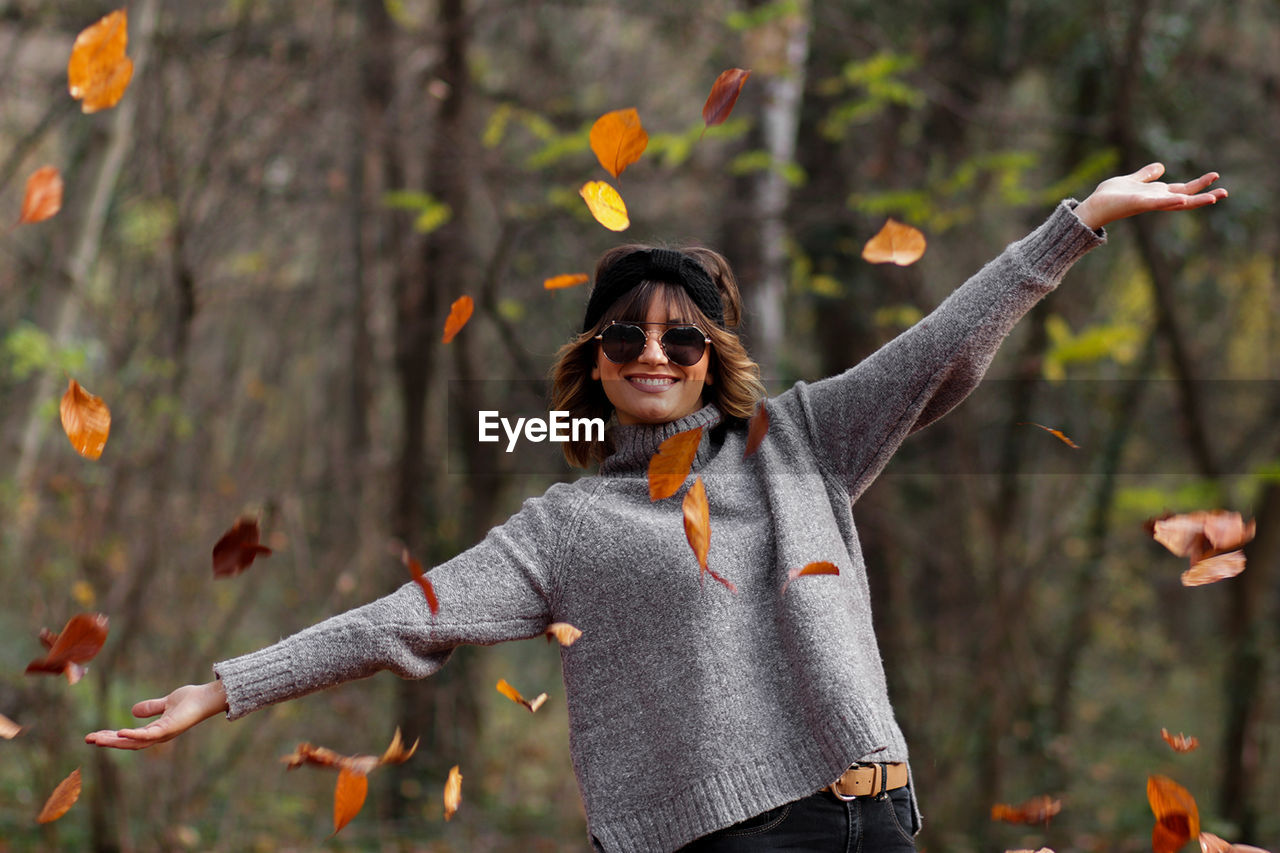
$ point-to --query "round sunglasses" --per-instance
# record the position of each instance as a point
(681, 343)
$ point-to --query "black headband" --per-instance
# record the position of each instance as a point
(667, 265)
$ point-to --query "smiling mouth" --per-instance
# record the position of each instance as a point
(652, 383)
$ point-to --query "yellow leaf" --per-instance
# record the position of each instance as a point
(618, 140)
(452, 792)
(85, 419)
(895, 243)
(98, 71)
(605, 205)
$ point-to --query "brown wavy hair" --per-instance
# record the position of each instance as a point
(733, 378)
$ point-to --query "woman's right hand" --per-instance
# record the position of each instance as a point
(179, 711)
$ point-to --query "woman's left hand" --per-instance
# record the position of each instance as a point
(1129, 195)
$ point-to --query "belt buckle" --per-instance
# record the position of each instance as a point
(875, 788)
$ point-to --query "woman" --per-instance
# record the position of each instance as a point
(701, 718)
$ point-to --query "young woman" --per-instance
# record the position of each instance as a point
(701, 718)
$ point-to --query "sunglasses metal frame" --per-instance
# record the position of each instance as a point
(662, 344)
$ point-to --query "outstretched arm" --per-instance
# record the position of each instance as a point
(179, 711)
(1129, 195)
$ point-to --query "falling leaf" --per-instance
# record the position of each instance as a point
(1035, 810)
(567, 280)
(43, 197)
(1210, 539)
(1210, 843)
(9, 729)
(236, 549)
(514, 695)
(895, 243)
(618, 140)
(1028, 850)
(757, 427)
(669, 467)
(99, 72)
(564, 633)
(322, 756)
(424, 582)
(85, 419)
(348, 797)
(459, 314)
(1180, 742)
(697, 529)
(724, 94)
(62, 799)
(81, 639)
(396, 753)
(605, 205)
(452, 792)
(1059, 434)
(1177, 818)
(819, 568)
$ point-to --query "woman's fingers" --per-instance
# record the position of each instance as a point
(1196, 186)
(1149, 172)
(149, 707)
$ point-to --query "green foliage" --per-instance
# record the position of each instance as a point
(751, 162)
(767, 13)
(432, 213)
(145, 224)
(878, 84)
(28, 349)
(1118, 341)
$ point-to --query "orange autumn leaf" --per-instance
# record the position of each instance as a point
(1210, 843)
(569, 279)
(1179, 742)
(79, 641)
(514, 695)
(236, 549)
(895, 243)
(322, 756)
(459, 313)
(697, 530)
(98, 71)
(724, 94)
(618, 139)
(1177, 818)
(85, 419)
(1035, 810)
(348, 797)
(1057, 433)
(43, 196)
(452, 792)
(62, 799)
(669, 467)
(1209, 539)
(9, 729)
(605, 205)
(820, 568)
(757, 427)
(563, 633)
(423, 582)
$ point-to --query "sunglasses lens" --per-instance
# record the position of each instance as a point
(684, 345)
(622, 343)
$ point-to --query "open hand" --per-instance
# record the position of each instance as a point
(179, 711)
(1129, 195)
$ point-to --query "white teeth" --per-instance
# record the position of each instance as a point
(651, 382)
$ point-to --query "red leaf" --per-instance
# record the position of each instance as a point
(459, 313)
(756, 429)
(669, 467)
(43, 197)
(1177, 818)
(81, 639)
(236, 550)
(1035, 810)
(1180, 742)
(424, 582)
(724, 94)
(819, 568)
(85, 419)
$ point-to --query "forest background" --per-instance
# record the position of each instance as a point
(259, 245)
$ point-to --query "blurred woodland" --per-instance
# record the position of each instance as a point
(257, 250)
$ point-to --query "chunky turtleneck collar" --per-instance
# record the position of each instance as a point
(635, 444)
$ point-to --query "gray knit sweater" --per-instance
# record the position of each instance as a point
(691, 707)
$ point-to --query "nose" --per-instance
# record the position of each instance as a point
(653, 352)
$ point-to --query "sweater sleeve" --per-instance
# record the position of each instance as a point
(501, 589)
(856, 420)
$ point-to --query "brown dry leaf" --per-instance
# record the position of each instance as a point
(564, 633)
(85, 419)
(819, 568)
(605, 205)
(669, 467)
(322, 756)
(1057, 433)
(43, 196)
(423, 582)
(1035, 810)
(1210, 843)
(1209, 539)
(568, 279)
(1179, 742)
(1177, 818)
(348, 797)
(757, 427)
(618, 139)
(1219, 567)
(1028, 850)
(396, 753)
(452, 792)
(697, 521)
(514, 695)
(98, 71)
(895, 243)
(62, 799)
(237, 548)
(78, 642)
(9, 729)
(459, 313)
(724, 94)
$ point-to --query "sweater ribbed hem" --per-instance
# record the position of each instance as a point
(1062, 240)
(255, 680)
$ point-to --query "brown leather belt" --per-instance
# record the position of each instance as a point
(867, 780)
